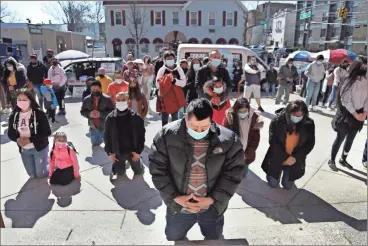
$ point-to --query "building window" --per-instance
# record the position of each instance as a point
(175, 18)
(278, 25)
(158, 19)
(335, 32)
(144, 48)
(229, 18)
(118, 18)
(158, 47)
(138, 19)
(323, 33)
(211, 18)
(193, 18)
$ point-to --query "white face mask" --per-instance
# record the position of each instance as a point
(319, 63)
(119, 81)
(10, 68)
(218, 90)
(121, 106)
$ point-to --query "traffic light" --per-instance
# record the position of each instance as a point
(343, 12)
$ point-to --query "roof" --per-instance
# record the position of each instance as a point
(213, 46)
(179, 2)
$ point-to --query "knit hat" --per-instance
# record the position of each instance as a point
(47, 82)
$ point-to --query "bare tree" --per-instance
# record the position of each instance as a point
(72, 13)
(95, 16)
(7, 15)
(137, 18)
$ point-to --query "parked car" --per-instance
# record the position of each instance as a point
(285, 51)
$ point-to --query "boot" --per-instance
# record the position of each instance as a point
(344, 163)
(332, 165)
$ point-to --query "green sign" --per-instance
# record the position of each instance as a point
(305, 15)
(262, 22)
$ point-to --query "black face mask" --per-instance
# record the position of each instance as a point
(96, 93)
(101, 75)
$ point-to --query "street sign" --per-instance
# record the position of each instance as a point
(262, 22)
(305, 15)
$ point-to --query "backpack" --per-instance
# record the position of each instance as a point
(70, 146)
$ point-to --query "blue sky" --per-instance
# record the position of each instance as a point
(34, 10)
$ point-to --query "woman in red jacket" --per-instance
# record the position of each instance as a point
(243, 120)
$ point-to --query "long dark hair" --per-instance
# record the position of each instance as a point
(354, 72)
(293, 107)
(33, 103)
(6, 70)
(240, 103)
(191, 72)
(135, 92)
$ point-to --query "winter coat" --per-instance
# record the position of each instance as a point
(206, 74)
(20, 75)
(39, 127)
(105, 106)
(49, 96)
(111, 138)
(284, 72)
(271, 77)
(190, 86)
(253, 136)
(169, 164)
(36, 74)
(276, 155)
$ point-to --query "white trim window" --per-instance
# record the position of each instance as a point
(193, 18)
(175, 18)
(158, 47)
(131, 48)
(211, 18)
(230, 18)
(144, 48)
(118, 18)
(158, 18)
(278, 25)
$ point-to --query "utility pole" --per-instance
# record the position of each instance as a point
(267, 20)
(307, 25)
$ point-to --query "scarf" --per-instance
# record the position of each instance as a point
(244, 127)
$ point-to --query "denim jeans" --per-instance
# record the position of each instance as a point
(312, 92)
(332, 95)
(271, 87)
(35, 162)
(283, 90)
(37, 91)
(178, 225)
(274, 183)
(96, 137)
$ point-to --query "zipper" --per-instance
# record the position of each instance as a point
(185, 177)
(209, 150)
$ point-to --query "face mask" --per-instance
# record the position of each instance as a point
(121, 106)
(196, 67)
(60, 145)
(197, 135)
(296, 119)
(101, 75)
(10, 68)
(96, 93)
(55, 64)
(290, 65)
(362, 71)
(319, 63)
(119, 81)
(23, 105)
(170, 63)
(216, 62)
(218, 90)
(242, 116)
(49, 55)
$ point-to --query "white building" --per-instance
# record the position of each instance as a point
(192, 22)
(283, 29)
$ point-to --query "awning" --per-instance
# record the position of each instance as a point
(221, 41)
(158, 41)
(130, 41)
(144, 41)
(116, 41)
(193, 41)
(206, 41)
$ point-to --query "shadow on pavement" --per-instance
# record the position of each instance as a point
(4, 139)
(61, 120)
(100, 158)
(310, 208)
(28, 207)
(136, 195)
(64, 193)
(354, 175)
(214, 242)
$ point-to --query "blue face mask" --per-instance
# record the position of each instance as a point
(296, 119)
(197, 135)
(196, 67)
(242, 116)
(170, 63)
(216, 62)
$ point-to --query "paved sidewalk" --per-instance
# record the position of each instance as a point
(326, 207)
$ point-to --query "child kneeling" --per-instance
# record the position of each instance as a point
(63, 166)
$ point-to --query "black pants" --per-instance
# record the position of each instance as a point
(62, 176)
(51, 114)
(165, 118)
(348, 135)
(326, 95)
(60, 95)
(119, 166)
(303, 90)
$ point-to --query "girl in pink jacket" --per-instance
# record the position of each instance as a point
(63, 164)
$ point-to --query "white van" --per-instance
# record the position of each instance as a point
(231, 53)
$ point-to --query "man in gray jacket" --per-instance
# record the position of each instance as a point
(315, 73)
(287, 75)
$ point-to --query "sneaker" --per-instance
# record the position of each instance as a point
(62, 112)
(331, 108)
(260, 109)
(332, 165)
(344, 163)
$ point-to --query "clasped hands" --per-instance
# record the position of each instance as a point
(194, 204)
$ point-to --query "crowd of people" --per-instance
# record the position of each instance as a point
(211, 130)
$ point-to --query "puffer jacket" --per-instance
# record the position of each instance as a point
(169, 164)
(105, 106)
(276, 154)
(62, 158)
